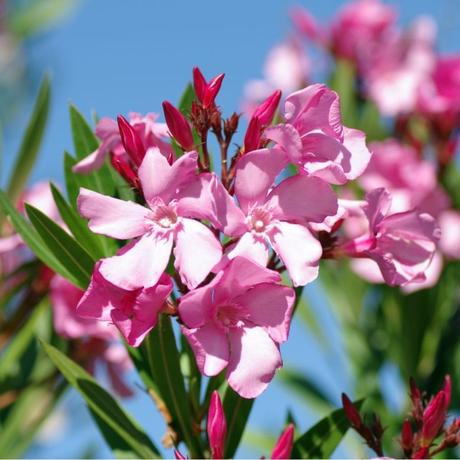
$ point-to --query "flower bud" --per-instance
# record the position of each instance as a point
(212, 90)
(447, 388)
(423, 452)
(267, 109)
(122, 166)
(131, 141)
(178, 126)
(283, 446)
(179, 456)
(434, 417)
(407, 437)
(351, 412)
(217, 426)
(253, 134)
(199, 83)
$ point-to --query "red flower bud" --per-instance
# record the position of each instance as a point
(283, 446)
(199, 83)
(122, 166)
(267, 109)
(212, 90)
(131, 141)
(423, 452)
(178, 126)
(447, 388)
(253, 134)
(407, 437)
(434, 417)
(351, 412)
(217, 426)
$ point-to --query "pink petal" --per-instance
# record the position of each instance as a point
(253, 361)
(197, 251)
(140, 263)
(449, 221)
(250, 247)
(432, 274)
(9, 243)
(270, 307)
(377, 207)
(299, 250)
(206, 198)
(210, 346)
(111, 216)
(196, 307)
(288, 138)
(302, 197)
(256, 172)
(159, 179)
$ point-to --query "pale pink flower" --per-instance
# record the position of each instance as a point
(278, 216)
(98, 342)
(237, 322)
(314, 138)
(151, 133)
(133, 312)
(402, 244)
(449, 221)
(167, 219)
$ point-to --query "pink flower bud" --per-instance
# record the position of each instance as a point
(178, 126)
(131, 141)
(122, 166)
(407, 437)
(217, 426)
(447, 388)
(199, 83)
(351, 412)
(179, 456)
(283, 446)
(253, 134)
(212, 90)
(265, 111)
(423, 452)
(434, 417)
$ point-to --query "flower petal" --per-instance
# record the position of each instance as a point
(197, 251)
(250, 247)
(111, 216)
(254, 359)
(299, 250)
(210, 346)
(140, 263)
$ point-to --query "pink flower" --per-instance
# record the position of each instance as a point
(315, 139)
(97, 340)
(156, 227)
(206, 92)
(237, 322)
(151, 134)
(216, 426)
(278, 217)
(402, 244)
(449, 221)
(133, 312)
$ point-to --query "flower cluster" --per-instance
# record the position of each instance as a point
(222, 242)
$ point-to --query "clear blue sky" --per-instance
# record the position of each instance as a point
(115, 56)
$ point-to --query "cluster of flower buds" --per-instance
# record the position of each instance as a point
(424, 435)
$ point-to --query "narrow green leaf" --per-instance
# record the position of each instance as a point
(66, 250)
(188, 96)
(164, 362)
(343, 81)
(31, 142)
(32, 239)
(322, 439)
(77, 225)
(120, 430)
(237, 410)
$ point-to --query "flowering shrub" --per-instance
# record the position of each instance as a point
(190, 267)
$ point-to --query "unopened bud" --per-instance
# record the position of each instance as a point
(199, 83)
(131, 141)
(283, 446)
(265, 111)
(351, 412)
(178, 126)
(434, 417)
(253, 135)
(212, 90)
(423, 452)
(407, 437)
(216, 427)
(122, 166)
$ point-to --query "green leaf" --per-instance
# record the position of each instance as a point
(85, 142)
(77, 225)
(66, 250)
(306, 388)
(188, 96)
(120, 430)
(33, 240)
(38, 15)
(164, 359)
(237, 410)
(322, 439)
(343, 81)
(31, 142)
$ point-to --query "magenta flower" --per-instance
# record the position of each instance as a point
(134, 312)
(237, 321)
(167, 219)
(151, 134)
(315, 139)
(277, 217)
(402, 244)
(216, 426)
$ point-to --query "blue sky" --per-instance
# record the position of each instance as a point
(114, 56)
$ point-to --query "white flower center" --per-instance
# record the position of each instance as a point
(164, 215)
(259, 219)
